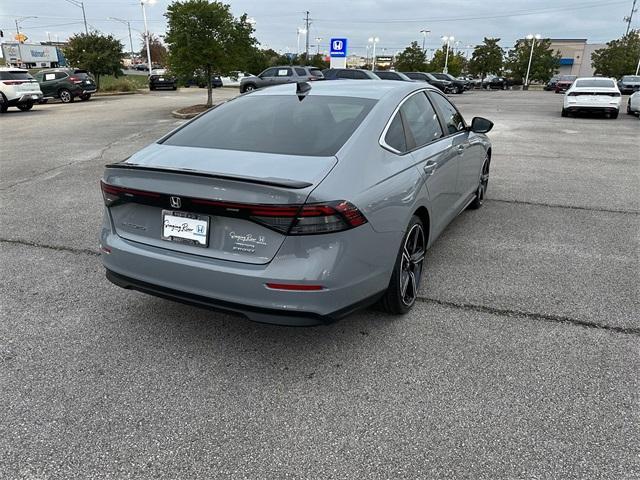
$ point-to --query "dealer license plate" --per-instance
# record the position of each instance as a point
(183, 227)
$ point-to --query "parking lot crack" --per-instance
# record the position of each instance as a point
(570, 207)
(545, 317)
(59, 248)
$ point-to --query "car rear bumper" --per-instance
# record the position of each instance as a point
(353, 267)
(165, 84)
(592, 108)
(32, 97)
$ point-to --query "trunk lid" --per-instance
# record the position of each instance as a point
(221, 188)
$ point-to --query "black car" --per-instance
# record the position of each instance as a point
(349, 73)
(161, 79)
(200, 80)
(629, 84)
(443, 85)
(458, 86)
(496, 83)
(390, 75)
(551, 84)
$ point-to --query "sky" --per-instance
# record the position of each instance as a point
(395, 22)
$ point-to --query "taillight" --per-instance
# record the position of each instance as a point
(75, 79)
(113, 194)
(15, 82)
(309, 219)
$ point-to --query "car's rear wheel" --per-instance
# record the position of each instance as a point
(4, 104)
(565, 113)
(250, 87)
(407, 272)
(65, 96)
(84, 97)
(483, 185)
(613, 115)
(459, 90)
(25, 106)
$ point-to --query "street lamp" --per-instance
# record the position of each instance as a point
(84, 16)
(533, 39)
(318, 40)
(373, 40)
(146, 30)
(20, 19)
(303, 31)
(424, 38)
(447, 40)
(128, 24)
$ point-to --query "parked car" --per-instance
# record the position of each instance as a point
(295, 205)
(160, 79)
(141, 67)
(551, 84)
(629, 84)
(442, 85)
(18, 89)
(67, 84)
(457, 86)
(349, 74)
(592, 94)
(564, 82)
(234, 78)
(391, 75)
(494, 82)
(633, 104)
(200, 80)
(279, 75)
(466, 80)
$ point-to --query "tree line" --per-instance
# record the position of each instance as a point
(205, 37)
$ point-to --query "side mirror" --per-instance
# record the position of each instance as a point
(481, 125)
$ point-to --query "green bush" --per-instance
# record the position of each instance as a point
(128, 83)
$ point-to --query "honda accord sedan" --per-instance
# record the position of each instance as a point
(296, 204)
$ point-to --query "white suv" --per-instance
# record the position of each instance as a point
(18, 89)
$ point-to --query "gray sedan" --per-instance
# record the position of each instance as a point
(296, 204)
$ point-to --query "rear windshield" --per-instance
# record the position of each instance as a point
(282, 124)
(630, 78)
(15, 75)
(597, 83)
(566, 78)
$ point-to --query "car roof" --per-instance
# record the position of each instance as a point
(13, 69)
(347, 88)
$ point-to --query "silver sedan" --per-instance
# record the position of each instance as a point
(296, 204)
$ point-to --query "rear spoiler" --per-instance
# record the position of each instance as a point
(271, 181)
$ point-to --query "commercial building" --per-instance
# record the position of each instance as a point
(575, 55)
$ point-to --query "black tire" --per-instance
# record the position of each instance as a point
(460, 90)
(151, 88)
(174, 88)
(564, 112)
(85, 97)
(65, 95)
(407, 272)
(4, 104)
(25, 107)
(483, 185)
(249, 87)
(629, 112)
(613, 115)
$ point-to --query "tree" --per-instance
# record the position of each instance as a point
(619, 57)
(412, 59)
(486, 58)
(456, 64)
(318, 61)
(157, 49)
(99, 54)
(205, 37)
(544, 63)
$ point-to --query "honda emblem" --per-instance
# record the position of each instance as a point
(175, 202)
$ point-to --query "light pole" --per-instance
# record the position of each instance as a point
(84, 16)
(424, 38)
(20, 19)
(146, 30)
(300, 30)
(318, 40)
(469, 48)
(533, 39)
(128, 24)
(447, 39)
(373, 40)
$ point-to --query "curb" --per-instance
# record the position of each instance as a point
(114, 94)
(187, 116)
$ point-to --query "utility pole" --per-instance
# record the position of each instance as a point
(306, 48)
(630, 17)
(84, 16)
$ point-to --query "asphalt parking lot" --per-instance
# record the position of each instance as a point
(520, 361)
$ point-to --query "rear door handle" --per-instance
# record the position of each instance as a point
(430, 167)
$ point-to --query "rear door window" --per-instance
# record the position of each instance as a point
(301, 72)
(395, 137)
(421, 121)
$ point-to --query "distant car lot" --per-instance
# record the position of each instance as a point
(520, 360)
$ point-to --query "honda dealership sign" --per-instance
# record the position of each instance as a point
(338, 52)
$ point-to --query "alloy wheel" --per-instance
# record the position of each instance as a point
(65, 96)
(413, 252)
(484, 180)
